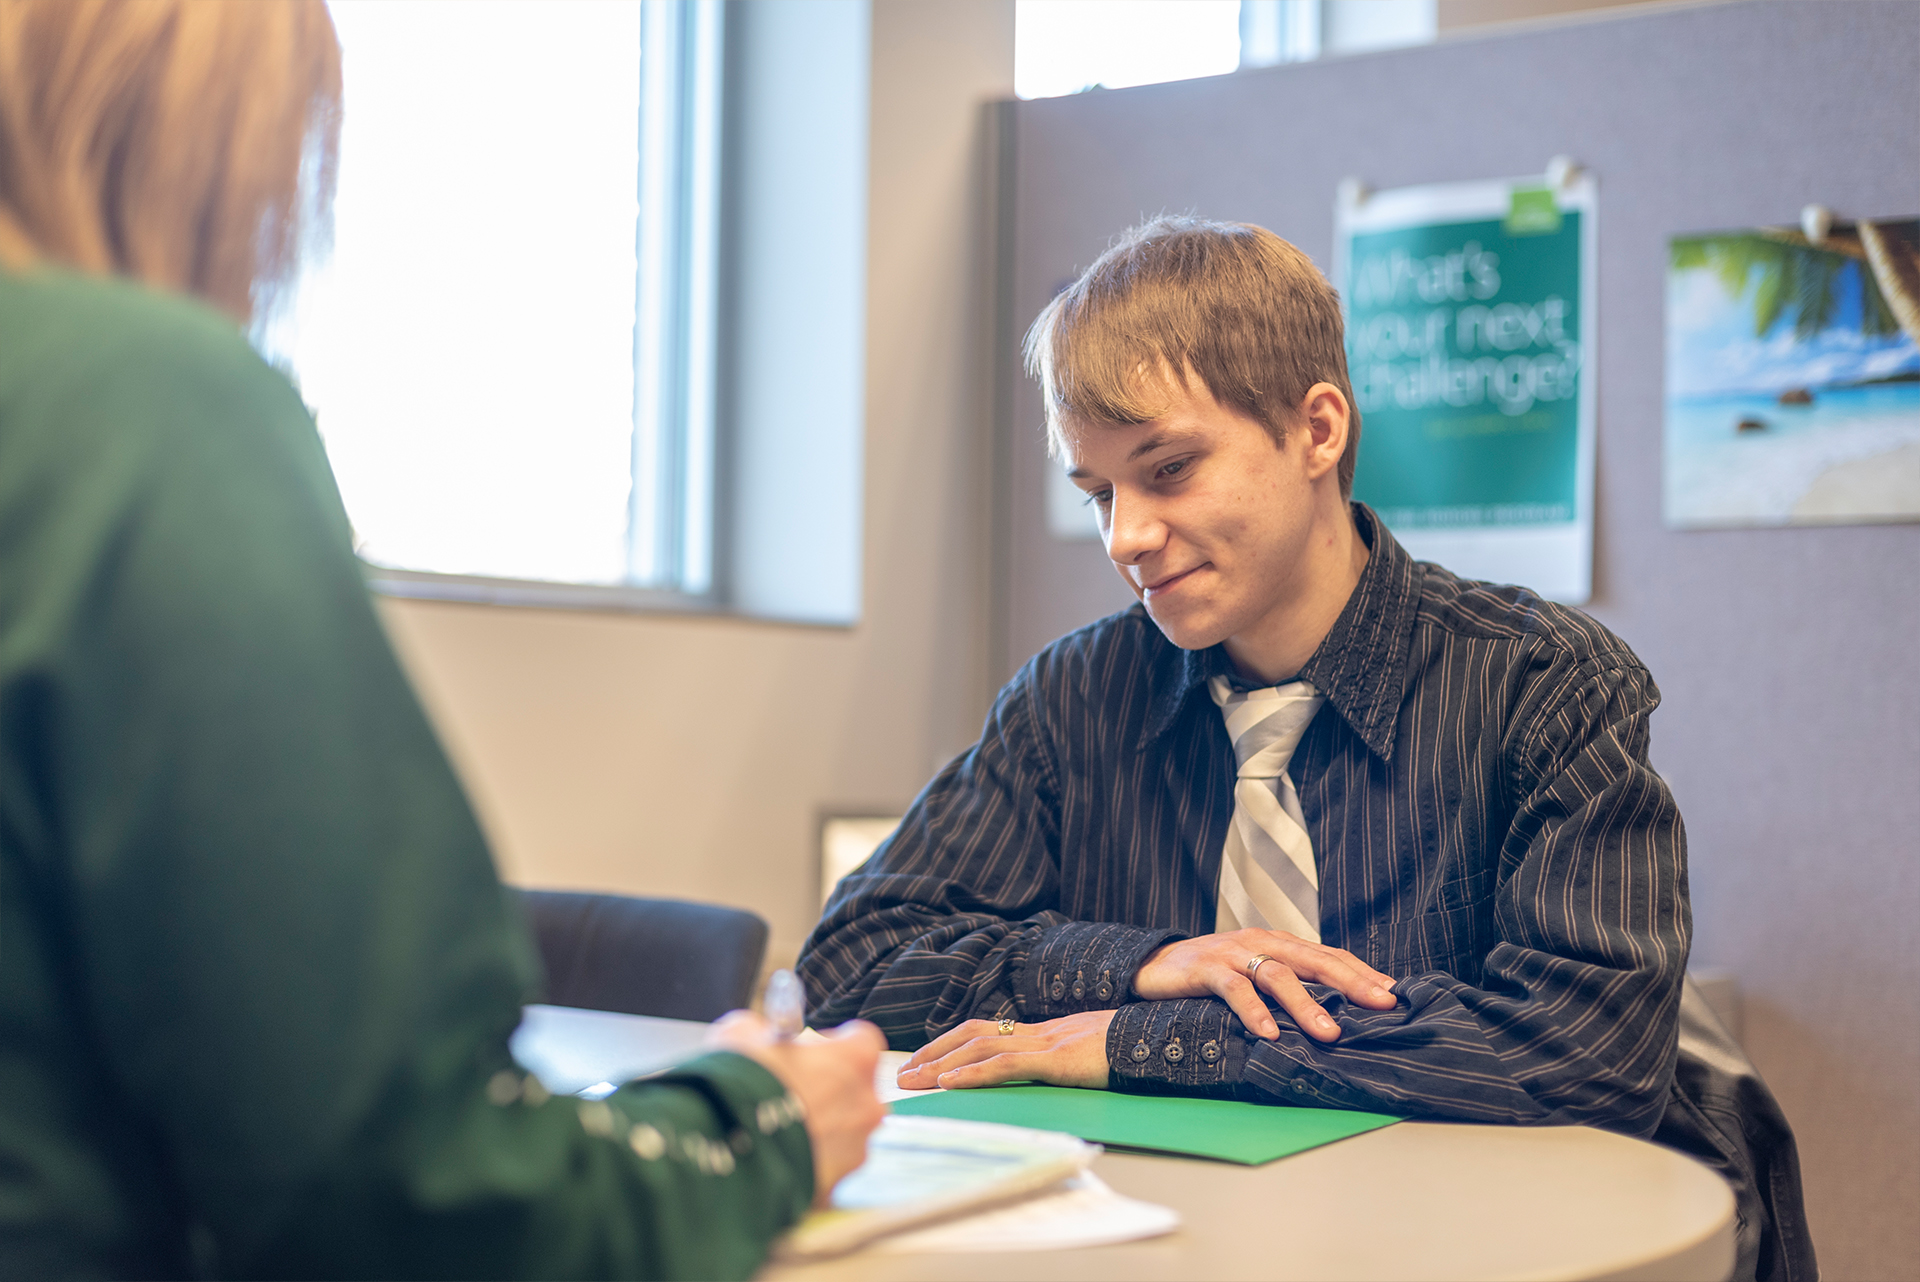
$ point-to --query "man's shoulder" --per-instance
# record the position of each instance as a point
(1450, 606)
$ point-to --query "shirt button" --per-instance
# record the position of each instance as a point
(1079, 990)
(1175, 1052)
(646, 1141)
(1140, 1051)
(1104, 992)
(503, 1088)
(1211, 1051)
(1058, 990)
(1299, 1087)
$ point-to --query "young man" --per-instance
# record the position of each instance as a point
(1313, 823)
(1427, 798)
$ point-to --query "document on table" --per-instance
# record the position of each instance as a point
(931, 1184)
(1083, 1211)
(920, 1169)
(1228, 1130)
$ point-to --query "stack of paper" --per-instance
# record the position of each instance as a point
(920, 1169)
(1081, 1212)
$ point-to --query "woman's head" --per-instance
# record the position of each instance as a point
(191, 144)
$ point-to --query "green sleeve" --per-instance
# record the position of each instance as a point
(296, 965)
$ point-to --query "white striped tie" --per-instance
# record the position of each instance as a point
(1267, 876)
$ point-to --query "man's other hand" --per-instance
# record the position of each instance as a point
(1069, 1051)
(1216, 965)
(833, 1080)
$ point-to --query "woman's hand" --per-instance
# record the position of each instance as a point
(832, 1079)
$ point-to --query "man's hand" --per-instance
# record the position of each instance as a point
(1069, 1051)
(1216, 965)
(833, 1081)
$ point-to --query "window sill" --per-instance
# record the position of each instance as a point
(471, 589)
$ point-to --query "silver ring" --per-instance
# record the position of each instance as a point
(1255, 962)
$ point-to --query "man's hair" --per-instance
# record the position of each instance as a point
(1231, 304)
(191, 144)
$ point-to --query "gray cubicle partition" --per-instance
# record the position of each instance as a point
(1789, 658)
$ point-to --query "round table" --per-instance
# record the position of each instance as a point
(1417, 1200)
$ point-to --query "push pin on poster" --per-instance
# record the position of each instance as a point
(1816, 221)
(1561, 171)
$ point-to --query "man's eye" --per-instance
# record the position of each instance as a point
(1176, 467)
(1100, 498)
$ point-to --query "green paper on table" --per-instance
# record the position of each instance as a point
(1225, 1129)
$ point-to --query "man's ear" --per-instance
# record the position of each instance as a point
(1327, 418)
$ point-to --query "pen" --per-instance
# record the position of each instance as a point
(786, 1004)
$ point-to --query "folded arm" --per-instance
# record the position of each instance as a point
(953, 918)
(1570, 1020)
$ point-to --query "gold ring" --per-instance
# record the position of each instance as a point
(1254, 963)
(1006, 1026)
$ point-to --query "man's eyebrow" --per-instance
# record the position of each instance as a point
(1156, 441)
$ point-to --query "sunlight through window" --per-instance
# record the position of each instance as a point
(469, 348)
(1064, 46)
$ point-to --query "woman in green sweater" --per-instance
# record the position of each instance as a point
(257, 973)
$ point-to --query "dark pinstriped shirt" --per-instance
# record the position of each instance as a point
(1488, 830)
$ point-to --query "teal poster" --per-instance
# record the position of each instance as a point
(1469, 341)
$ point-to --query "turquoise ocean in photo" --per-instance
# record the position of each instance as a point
(1717, 475)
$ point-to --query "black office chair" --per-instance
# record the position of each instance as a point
(1722, 1113)
(662, 957)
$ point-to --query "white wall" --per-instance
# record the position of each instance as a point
(693, 756)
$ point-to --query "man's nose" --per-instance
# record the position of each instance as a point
(1134, 529)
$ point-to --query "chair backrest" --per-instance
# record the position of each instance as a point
(662, 957)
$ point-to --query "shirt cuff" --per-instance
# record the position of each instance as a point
(1083, 965)
(1193, 1045)
(751, 1108)
(1198, 1046)
(1273, 1076)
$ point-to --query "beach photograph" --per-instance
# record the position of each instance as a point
(1793, 374)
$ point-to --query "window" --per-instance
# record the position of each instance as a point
(1065, 46)
(510, 353)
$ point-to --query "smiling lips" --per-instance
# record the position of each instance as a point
(1171, 581)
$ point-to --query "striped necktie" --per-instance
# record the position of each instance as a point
(1267, 875)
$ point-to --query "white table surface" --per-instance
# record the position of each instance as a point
(1416, 1200)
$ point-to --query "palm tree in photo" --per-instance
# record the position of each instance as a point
(1893, 251)
(1787, 271)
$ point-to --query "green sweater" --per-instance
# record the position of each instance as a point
(257, 973)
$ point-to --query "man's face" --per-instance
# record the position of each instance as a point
(1203, 515)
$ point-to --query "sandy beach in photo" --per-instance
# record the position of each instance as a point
(1847, 457)
(1886, 486)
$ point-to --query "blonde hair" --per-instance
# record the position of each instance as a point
(191, 144)
(1228, 303)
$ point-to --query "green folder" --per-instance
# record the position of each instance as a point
(1225, 1129)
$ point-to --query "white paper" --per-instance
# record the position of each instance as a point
(1083, 1212)
(922, 1170)
(886, 1078)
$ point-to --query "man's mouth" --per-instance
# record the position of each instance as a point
(1168, 582)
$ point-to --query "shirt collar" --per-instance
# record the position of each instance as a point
(1360, 666)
